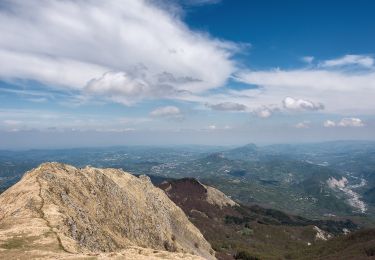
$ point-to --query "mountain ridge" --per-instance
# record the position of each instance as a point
(93, 211)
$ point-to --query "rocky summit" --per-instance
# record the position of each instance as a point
(58, 211)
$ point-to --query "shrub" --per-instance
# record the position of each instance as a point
(245, 255)
(370, 251)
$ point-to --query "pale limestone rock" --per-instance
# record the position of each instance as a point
(58, 211)
(216, 197)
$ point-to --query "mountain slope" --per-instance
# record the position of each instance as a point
(357, 245)
(232, 228)
(58, 209)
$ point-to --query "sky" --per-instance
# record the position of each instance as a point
(164, 72)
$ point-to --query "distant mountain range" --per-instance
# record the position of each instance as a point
(312, 180)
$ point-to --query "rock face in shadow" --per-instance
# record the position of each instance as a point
(64, 210)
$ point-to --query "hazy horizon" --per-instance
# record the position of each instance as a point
(107, 145)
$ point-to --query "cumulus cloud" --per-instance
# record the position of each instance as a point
(265, 111)
(68, 43)
(301, 104)
(129, 88)
(227, 106)
(345, 122)
(167, 111)
(359, 60)
(351, 122)
(304, 124)
(341, 91)
(119, 84)
(329, 123)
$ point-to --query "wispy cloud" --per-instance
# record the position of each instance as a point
(40, 120)
(167, 111)
(359, 60)
(227, 106)
(303, 125)
(70, 43)
(308, 59)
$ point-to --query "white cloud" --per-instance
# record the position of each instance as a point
(41, 120)
(118, 84)
(68, 43)
(167, 111)
(129, 88)
(212, 127)
(265, 111)
(227, 106)
(359, 60)
(301, 104)
(65, 72)
(304, 124)
(340, 91)
(130, 50)
(329, 123)
(345, 122)
(307, 59)
(351, 122)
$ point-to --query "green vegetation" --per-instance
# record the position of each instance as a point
(357, 245)
(245, 255)
(291, 178)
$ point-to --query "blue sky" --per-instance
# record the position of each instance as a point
(96, 73)
(283, 31)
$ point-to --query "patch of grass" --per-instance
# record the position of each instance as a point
(246, 232)
(15, 243)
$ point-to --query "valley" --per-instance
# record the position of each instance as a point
(319, 180)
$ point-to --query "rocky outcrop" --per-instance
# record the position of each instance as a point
(59, 210)
(216, 197)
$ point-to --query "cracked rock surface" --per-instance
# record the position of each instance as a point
(58, 211)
